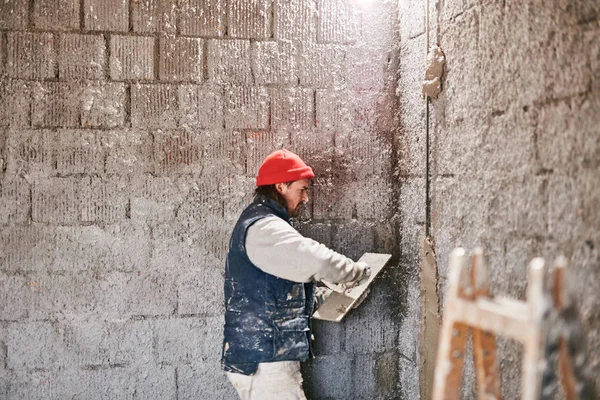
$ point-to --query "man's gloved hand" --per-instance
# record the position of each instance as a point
(321, 294)
(362, 275)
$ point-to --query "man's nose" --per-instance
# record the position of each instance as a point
(305, 198)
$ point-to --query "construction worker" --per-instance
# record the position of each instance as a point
(269, 293)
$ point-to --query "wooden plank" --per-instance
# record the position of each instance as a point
(342, 300)
(484, 342)
(559, 292)
(453, 335)
(535, 340)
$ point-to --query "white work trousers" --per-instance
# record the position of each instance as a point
(272, 381)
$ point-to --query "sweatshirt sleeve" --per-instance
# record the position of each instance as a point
(278, 249)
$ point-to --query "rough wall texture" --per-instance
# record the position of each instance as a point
(515, 147)
(130, 132)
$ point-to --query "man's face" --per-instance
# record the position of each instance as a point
(295, 195)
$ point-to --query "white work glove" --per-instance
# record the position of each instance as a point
(362, 275)
(321, 294)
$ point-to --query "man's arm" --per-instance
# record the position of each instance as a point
(278, 249)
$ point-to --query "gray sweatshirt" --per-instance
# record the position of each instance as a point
(278, 249)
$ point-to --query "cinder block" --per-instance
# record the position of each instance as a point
(411, 142)
(224, 153)
(178, 152)
(53, 15)
(338, 22)
(135, 295)
(408, 329)
(14, 14)
(571, 204)
(55, 201)
(155, 199)
(180, 59)
(215, 239)
(361, 155)
(77, 152)
(322, 66)
(203, 203)
(3, 148)
(296, 21)
(132, 57)
(292, 108)
(374, 112)
(25, 248)
(238, 192)
(229, 62)
(201, 106)
(412, 19)
(56, 104)
(391, 366)
(49, 345)
(102, 200)
(29, 152)
(329, 338)
(128, 151)
(249, 19)
(379, 25)
(368, 69)
(183, 340)
(154, 106)
(122, 247)
(106, 15)
(519, 205)
(14, 200)
(513, 132)
(333, 110)
(102, 105)
(567, 134)
(130, 342)
(274, 63)
(329, 200)
(354, 238)
(202, 17)
(30, 55)
(37, 345)
(203, 380)
(15, 103)
(51, 296)
(316, 148)
(14, 294)
(81, 56)
(260, 144)
(329, 377)
(86, 342)
(201, 293)
(180, 244)
(247, 107)
(365, 380)
(452, 9)
(154, 16)
(321, 232)
(370, 328)
(139, 382)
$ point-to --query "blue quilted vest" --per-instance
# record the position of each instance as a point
(267, 318)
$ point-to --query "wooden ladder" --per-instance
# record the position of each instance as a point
(468, 306)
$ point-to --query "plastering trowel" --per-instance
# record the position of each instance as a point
(342, 299)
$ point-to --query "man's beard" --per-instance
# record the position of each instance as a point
(297, 210)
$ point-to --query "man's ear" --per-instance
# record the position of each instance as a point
(280, 187)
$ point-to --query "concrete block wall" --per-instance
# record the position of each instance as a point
(515, 144)
(130, 135)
